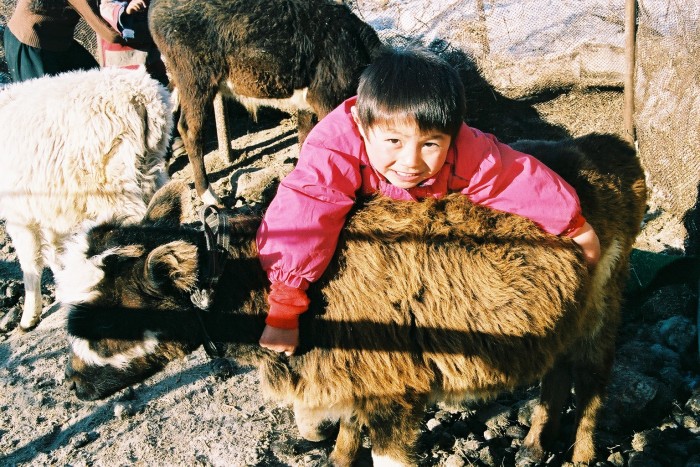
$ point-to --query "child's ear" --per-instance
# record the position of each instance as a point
(353, 112)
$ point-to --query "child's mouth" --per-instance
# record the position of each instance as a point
(407, 177)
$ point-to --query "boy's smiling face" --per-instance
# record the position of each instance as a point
(403, 154)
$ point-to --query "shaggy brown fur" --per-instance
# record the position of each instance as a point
(440, 299)
(257, 50)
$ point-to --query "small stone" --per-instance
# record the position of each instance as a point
(693, 403)
(83, 439)
(123, 410)
(645, 439)
(10, 320)
(689, 422)
(616, 459)
(433, 424)
(454, 460)
(516, 431)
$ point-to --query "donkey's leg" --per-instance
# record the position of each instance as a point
(590, 383)
(196, 94)
(223, 134)
(348, 442)
(27, 243)
(554, 391)
(393, 427)
(314, 424)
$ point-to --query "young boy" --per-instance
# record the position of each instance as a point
(130, 19)
(402, 136)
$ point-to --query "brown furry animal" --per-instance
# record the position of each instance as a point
(424, 301)
(296, 55)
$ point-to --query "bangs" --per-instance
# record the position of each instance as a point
(427, 116)
(414, 87)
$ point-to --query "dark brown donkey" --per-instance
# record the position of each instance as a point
(300, 56)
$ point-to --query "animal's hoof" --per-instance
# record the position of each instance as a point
(22, 328)
(325, 430)
(28, 325)
(529, 456)
(223, 368)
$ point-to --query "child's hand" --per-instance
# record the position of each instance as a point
(135, 6)
(280, 340)
(588, 239)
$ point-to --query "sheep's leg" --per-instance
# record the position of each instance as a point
(555, 390)
(347, 444)
(53, 249)
(314, 424)
(27, 243)
(393, 430)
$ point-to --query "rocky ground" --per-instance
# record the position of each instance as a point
(198, 413)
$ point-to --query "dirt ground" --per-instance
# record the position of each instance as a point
(196, 413)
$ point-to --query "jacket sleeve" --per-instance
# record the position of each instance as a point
(511, 181)
(111, 11)
(299, 232)
(97, 23)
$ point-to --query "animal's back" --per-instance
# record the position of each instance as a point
(82, 145)
(455, 279)
(269, 47)
(607, 176)
(473, 301)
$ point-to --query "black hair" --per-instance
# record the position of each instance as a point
(411, 84)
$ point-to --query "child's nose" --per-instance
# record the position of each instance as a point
(410, 157)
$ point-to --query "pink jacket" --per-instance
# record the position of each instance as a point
(300, 230)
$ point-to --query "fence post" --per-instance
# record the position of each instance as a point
(630, 54)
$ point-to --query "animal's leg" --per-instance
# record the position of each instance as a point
(348, 442)
(194, 99)
(590, 382)
(27, 243)
(53, 249)
(305, 122)
(555, 390)
(393, 430)
(313, 424)
(222, 126)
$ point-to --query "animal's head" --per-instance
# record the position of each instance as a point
(125, 287)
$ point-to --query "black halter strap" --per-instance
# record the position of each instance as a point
(215, 224)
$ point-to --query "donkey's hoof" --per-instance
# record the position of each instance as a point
(529, 456)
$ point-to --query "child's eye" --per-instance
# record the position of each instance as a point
(393, 141)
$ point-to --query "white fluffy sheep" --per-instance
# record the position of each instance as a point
(84, 145)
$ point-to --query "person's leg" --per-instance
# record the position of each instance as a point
(75, 58)
(23, 62)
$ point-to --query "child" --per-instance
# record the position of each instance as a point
(39, 39)
(130, 18)
(402, 136)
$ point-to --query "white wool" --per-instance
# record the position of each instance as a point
(82, 145)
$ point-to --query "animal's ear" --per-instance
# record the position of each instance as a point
(169, 204)
(174, 263)
(112, 257)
